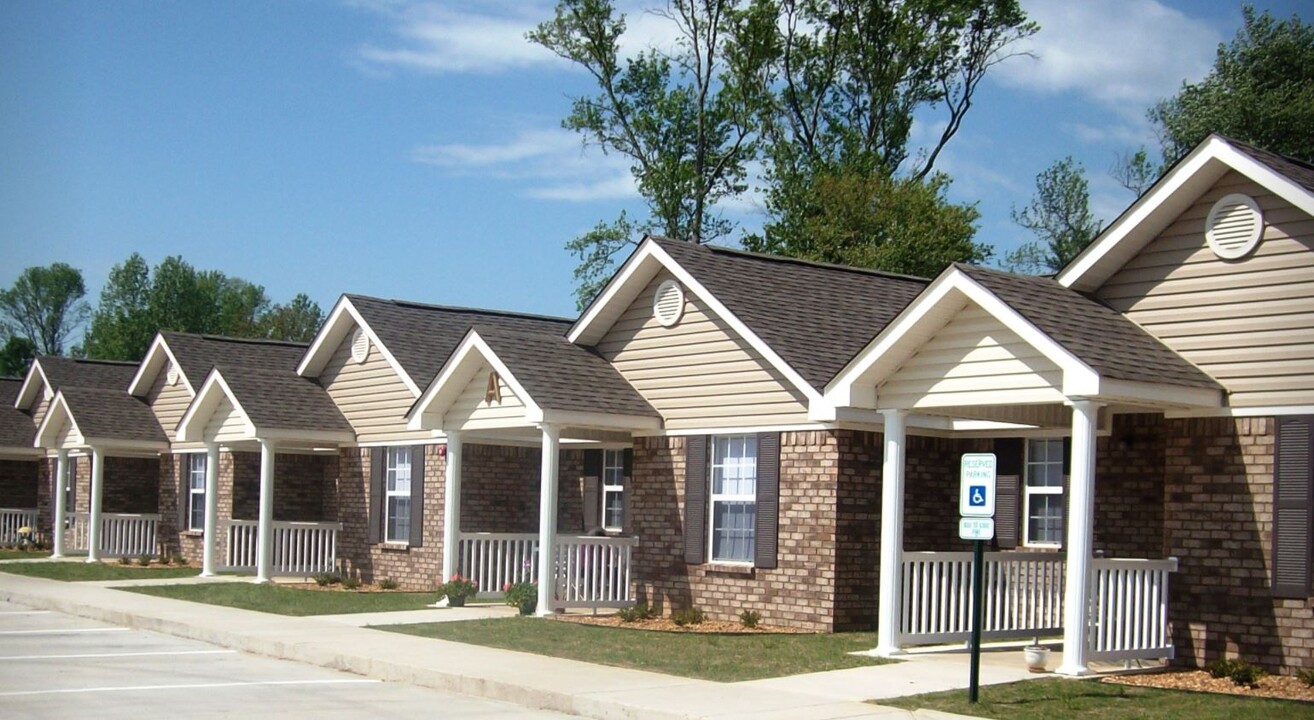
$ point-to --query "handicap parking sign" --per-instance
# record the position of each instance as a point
(977, 490)
(976, 496)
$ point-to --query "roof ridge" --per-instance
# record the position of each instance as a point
(249, 341)
(89, 361)
(785, 259)
(412, 304)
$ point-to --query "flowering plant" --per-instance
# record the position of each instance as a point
(522, 596)
(457, 590)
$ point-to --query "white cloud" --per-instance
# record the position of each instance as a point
(1125, 54)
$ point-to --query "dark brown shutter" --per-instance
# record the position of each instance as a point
(592, 489)
(1293, 506)
(72, 505)
(417, 495)
(695, 500)
(378, 462)
(765, 536)
(182, 468)
(628, 493)
(1009, 453)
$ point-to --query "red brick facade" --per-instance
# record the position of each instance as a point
(18, 483)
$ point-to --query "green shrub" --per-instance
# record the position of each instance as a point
(325, 579)
(522, 595)
(125, 560)
(750, 618)
(144, 560)
(387, 584)
(1306, 676)
(179, 560)
(688, 616)
(1239, 671)
(350, 582)
(642, 611)
(458, 589)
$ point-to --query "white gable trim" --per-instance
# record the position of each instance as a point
(456, 374)
(46, 431)
(1143, 221)
(192, 426)
(334, 332)
(151, 366)
(855, 384)
(32, 384)
(638, 271)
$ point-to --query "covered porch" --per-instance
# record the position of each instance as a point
(520, 389)
(983, 355)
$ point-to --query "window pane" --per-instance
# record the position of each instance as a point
(399, 520)
(196, 512)
(732, 531)
(613, 511)
(1045, 519)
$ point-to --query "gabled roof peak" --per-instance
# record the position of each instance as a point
(785, 259)
(414, 305)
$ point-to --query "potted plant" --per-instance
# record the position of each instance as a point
(522, 595)
(1036, 656)
(457, 590)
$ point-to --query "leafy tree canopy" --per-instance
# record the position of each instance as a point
(1059, 215)
(45, 305)
(16, 356)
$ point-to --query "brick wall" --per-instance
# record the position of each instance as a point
(1129, 488)
(131, 485)
(414, 568)
(18, 483)
(1218, 521)
(45, 505)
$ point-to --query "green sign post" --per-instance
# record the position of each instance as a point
(976, 505)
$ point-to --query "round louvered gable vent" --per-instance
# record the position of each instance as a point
(360, 346)
(171, 375)
(1234, 226)
(668, 303)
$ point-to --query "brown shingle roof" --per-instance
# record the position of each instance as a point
(283, 400)
(1098, 335)
(197, 354)
(62, 372)
(106, 414)
(421, 337)
(815, 316)
(16, 426)
(560, 375)
(1300, 172)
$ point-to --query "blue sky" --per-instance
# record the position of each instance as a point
(413, 150)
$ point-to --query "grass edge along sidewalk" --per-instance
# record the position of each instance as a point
(297, 601)
(1091, 699)
(74, 571)
(720, 657)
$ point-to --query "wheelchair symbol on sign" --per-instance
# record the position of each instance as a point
(977, 497)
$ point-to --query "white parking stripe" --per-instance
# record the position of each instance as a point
(196, 686)
(125, 654)
(65, 631)
(24, 612)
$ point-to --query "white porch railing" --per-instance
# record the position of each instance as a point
(11, 519)
(1129, 609)
(1128, 617)
(589, 572)
(300, 548)
(121, 534)
(1023, 596)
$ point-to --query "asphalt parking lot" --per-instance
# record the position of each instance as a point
(59, 666)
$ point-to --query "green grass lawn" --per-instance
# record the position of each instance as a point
(23, 554)
(720, 657)
(85, 572)
(290, 601)
(1056, 698)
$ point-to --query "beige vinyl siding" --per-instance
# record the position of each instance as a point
(471, 412)
(698, 373)
(973, 360)
(371, 395)
(1249, 323)
(226, 424)
(68, 437)
(40, 407)
(168, 402)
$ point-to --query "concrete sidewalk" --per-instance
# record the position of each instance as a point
(594, 691)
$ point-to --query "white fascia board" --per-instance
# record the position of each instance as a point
(128, 448)
(1243, 412)
(32, 384)
(604, 421)
(22, 453)
(58, 407)
(472, 348)
(335, 331)
(1174, 396)
(151, 366)
(315, 436)
(588, 328)
(198, 414)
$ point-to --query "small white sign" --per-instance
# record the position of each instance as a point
(975, 528)
(976, 497)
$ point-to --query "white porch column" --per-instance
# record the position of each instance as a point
(452, 506)
(547, 519)
(892, 473)
(210, 539)
(265, 532)
(61, 503)
(97, 490)
(1080, 520)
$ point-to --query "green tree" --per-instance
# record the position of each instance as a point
(669, 114)
(297, 321)
(16, 356)
(1260, 91)
(45, 305)
(1060, 217)
(121, 327)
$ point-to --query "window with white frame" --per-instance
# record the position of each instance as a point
(613, 489)
(398, 492)
(1043, 501)
(734, 498)
(196, 491)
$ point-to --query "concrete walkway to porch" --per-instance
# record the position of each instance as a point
(534, 681)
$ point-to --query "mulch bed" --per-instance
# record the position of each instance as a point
(1282, 687)
(664, 624)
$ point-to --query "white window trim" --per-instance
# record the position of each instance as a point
(1028, 491)
(612, 460)
(193, 491)
(392, 465)
(715, 497)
